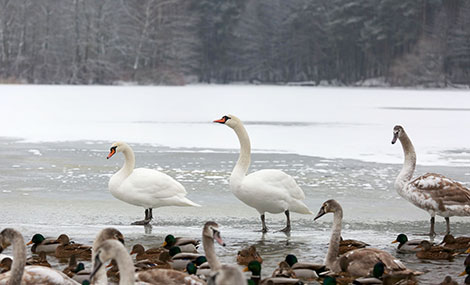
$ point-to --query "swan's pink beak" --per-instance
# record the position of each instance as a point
(111, 153)
(218, 238)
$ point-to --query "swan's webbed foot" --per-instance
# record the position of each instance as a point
(141, 223)
(286, 229)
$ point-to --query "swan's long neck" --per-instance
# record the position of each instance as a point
(129, 163)
(125, 264)
(209, 250)
(409, 165)
(244, 160)
(333, 249)
(19, 255)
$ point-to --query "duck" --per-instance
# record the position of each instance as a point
(466, 272)
(179, 259)
(432, 192)
(40, 243)
(378, 275)
(448, 281)
(220, 274)
(31, 274)
(245, 255)
(350, 244)
(185, 244)
(434, 252)
(141, 253)
(143, 187)
(304, 270)
(73, 267)
(405, 245)
(103, 235)
(113, 249)
(39, 259)
(457, 243)
(66, 249)
(5, 264)
(267, 190)
(358, 262)
(254, 267)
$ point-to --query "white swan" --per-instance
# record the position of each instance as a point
(144, 187)
(358, 262)
(434, 193)
(220, 274)
(267, 190)
(21, 274)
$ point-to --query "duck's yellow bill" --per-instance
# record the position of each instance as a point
(30, 242)
(395, 241)
(463, 273)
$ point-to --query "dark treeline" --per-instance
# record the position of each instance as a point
(406, 42)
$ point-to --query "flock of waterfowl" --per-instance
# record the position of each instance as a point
(179, 261)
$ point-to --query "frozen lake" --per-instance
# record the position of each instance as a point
(335, 142)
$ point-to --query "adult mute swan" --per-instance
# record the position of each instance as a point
(34, 274)
(267, 190)
(144, 187)
(434, 193)
(358, 262)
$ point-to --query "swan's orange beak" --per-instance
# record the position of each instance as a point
(111, 153)
(221, 121)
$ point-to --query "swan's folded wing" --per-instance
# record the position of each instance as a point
(279, 179)
(154, 183)
(444, 191)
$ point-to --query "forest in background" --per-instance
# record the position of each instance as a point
(176, 42)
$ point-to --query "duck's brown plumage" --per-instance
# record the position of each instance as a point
(39, 259)
(435, 252)
(284, 270)
(66, 249)
(458, 243)
(350, 244)
(142, 254)
(248, 254)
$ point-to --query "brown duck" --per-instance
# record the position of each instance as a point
(248, 254)
(39, 259)
(457, 243)
(67, 249)
(151, 254)
(346, 245)
(435, 252)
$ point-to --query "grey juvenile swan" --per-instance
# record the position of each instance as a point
(434, 193)
(358, 262)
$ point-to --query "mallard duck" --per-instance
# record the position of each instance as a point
(73, 268)
(434, 193)
(245, 255)
(304, 270)
(255, 268)
(435, 252)
(457, 243)
(283, 270)
(466, 272)
(112, 249)
(20, 273)
(40, 243)
(358, 262)
(40, 260)
(380, 276)
(152, 253)
(448, 281)
(185, 244)
(350, 244)
(66, 249)
(5, 264)
(405, 245)
(179, 259)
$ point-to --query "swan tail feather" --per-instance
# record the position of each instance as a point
(186, 202)
(299, 207)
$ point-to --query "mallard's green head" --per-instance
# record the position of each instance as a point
(401, 238)
(170, 241)
(379, 270)
(250, 282)
(191, 268)
(255, 268)
(174, 251)
(86, 282)
(329, 280)
(37, 239)
(79, 267)
(200, 260)
(291, 259)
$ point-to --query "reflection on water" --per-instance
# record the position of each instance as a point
(65, 185)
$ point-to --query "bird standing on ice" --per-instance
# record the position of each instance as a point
(144, 187)
(267, 190)
(434, 193)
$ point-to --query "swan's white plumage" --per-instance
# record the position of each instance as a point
(145, 187)
(40, 275)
